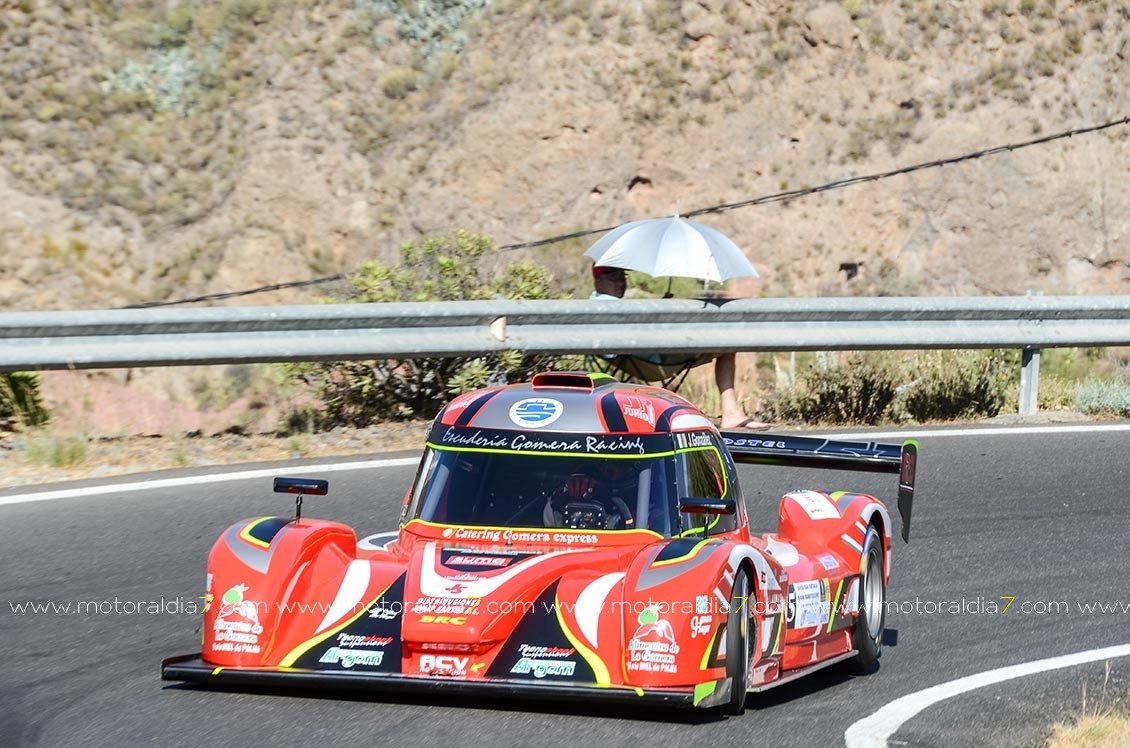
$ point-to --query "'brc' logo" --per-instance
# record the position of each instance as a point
(451, 620)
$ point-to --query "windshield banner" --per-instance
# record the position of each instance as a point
(494, 440)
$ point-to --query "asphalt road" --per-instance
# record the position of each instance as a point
(1042, 518)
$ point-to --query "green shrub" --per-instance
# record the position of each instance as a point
(1106, 396)
(950, 385)
(447, 268)
(20, 402)
(436, 26)
(859, 390)
(55, 451)
(869, 388)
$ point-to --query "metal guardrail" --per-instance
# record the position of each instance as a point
(172, 337)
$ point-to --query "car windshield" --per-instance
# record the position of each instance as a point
(510, 489)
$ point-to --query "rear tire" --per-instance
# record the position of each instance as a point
(740, 631)
(867, 636)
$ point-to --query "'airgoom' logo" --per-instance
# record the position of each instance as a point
(535, 412)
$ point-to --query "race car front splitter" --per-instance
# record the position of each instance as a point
(193, 669)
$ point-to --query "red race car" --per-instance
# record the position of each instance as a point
(573, 536)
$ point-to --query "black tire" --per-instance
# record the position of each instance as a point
(740, 631)
(867, 636)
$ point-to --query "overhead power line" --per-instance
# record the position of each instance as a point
(234, 294)
(775, 197)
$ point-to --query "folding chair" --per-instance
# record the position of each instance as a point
(667, 369)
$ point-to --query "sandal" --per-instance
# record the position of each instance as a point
(745, 426)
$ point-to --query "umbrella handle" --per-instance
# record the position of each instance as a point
(669, 295)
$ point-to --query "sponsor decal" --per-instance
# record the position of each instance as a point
(455, 589)
(447, 605)
(445, 647)
(700, 625)
(447, 665)
(815, 505)
(536, 412)
(613, 444)
(484, 561)
(638, 407)
(357, 640)
(542, 668)
(652, 648)
(459, 438)
(582, 443)
(448, 620)
(702, 604)
(347, 658)
(519, 536)
(462, 402)
(207, 596)
(767, 444)
(533, 651)
(237, 627)
(384, 612)
(828, 562)
(809, 604)
(693, 439)
(465, 577)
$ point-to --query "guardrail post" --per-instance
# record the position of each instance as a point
(1029, 381)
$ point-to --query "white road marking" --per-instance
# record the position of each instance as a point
(196, 480)
(990, 431)
(874, 730)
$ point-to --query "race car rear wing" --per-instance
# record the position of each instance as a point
(806, 451)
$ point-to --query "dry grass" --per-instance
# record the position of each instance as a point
(1094, 731)
(1102, 725)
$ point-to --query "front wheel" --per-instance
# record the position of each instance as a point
(740, 631)
(867, 637)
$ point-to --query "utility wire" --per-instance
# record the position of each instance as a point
(775, 197)
(234, 294)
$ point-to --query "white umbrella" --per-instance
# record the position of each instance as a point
(672, 247)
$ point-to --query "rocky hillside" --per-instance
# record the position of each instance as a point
(151, 149)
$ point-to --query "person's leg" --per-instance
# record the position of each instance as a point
(725, 367)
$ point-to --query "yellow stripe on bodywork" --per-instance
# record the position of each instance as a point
(600, 671)
(245, 533)
(217, 671)
(702, 690)
(685, 557)
(309, 644)
(835, 607)
(709, 649)
(716, 518)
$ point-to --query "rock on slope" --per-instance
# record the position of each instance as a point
(152, 150)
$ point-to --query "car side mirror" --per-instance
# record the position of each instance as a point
(302, 487)
(691, 505)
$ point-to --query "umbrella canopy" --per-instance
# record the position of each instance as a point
(672, 247)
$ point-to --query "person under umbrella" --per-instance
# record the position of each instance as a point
(612, 283)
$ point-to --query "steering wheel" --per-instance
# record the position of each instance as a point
(580, 489)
